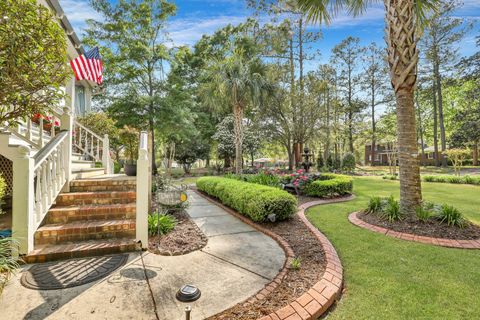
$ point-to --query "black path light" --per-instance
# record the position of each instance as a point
(188, 293)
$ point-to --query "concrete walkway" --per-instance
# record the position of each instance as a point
(236, 263)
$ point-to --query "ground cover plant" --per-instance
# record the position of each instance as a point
(162, 224)
(430, 219)
(388, 278)
(258, 202)
(467, 179)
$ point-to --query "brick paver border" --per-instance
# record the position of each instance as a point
(451, 243)
(324, 293)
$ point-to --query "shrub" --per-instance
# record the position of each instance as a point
(374, 205)
(252, 200)
(391, 211)
(329, 185)
(453, 179)
(163, 223)
(389, 177)
(451, 215)
(348, 162)
(116, 167)
(8, 264)
(424, 212)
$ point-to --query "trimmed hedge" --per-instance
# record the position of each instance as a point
(252, 200)
(329, 185)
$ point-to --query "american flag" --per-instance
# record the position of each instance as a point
(88, 66)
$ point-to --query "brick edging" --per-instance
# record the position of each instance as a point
(443, 242)
(323, 294)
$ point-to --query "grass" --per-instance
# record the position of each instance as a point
(387, 278)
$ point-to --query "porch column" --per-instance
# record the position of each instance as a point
(23, 215)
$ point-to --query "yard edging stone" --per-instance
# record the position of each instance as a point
(442, 242)
(324, 293)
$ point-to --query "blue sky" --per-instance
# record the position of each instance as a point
(197, 17)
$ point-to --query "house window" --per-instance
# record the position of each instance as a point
(377, 157)
(80, 100)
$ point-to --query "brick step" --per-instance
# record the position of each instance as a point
(84, 230)
(99, 197)
(91, 212)
(103, 185)
(46, 253)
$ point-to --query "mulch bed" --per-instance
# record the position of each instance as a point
(431, 228)
(184, 238)
(296, 282)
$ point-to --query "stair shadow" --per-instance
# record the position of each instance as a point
(55, 300)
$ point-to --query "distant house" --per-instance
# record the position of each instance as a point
(382, 152)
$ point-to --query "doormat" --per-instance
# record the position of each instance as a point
(71, 273)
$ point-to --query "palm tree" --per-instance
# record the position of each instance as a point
(403, 19)
(237, 81)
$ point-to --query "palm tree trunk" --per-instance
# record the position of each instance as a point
(238, 130)
(403, 60)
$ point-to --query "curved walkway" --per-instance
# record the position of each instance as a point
(450, 243)
(237, 262)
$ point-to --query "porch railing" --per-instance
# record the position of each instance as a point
(50, 174)
(92, 145)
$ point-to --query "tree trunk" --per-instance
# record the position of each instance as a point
(435, 126)
(228, 162)
(403, 61)
(238, 129)
(475, 153)
(441, 121)
(154, 162)
(373, 122)
(327, 144)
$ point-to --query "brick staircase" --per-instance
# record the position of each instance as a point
(96, 217)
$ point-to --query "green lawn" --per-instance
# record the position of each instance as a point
(386, 278)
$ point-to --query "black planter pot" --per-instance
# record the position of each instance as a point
(130, 169)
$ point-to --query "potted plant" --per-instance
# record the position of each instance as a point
(129, 137)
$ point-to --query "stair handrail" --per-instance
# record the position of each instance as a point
(39, 174)
(93, 145)
(27, 136)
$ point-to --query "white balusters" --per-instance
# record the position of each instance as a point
(93, 145)
(40, 132)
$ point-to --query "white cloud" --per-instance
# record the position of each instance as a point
(78, 11)
(187, 31)
(373, 14)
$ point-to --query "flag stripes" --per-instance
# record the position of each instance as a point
(88, 66)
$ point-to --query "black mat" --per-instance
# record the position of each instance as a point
(71, 273)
